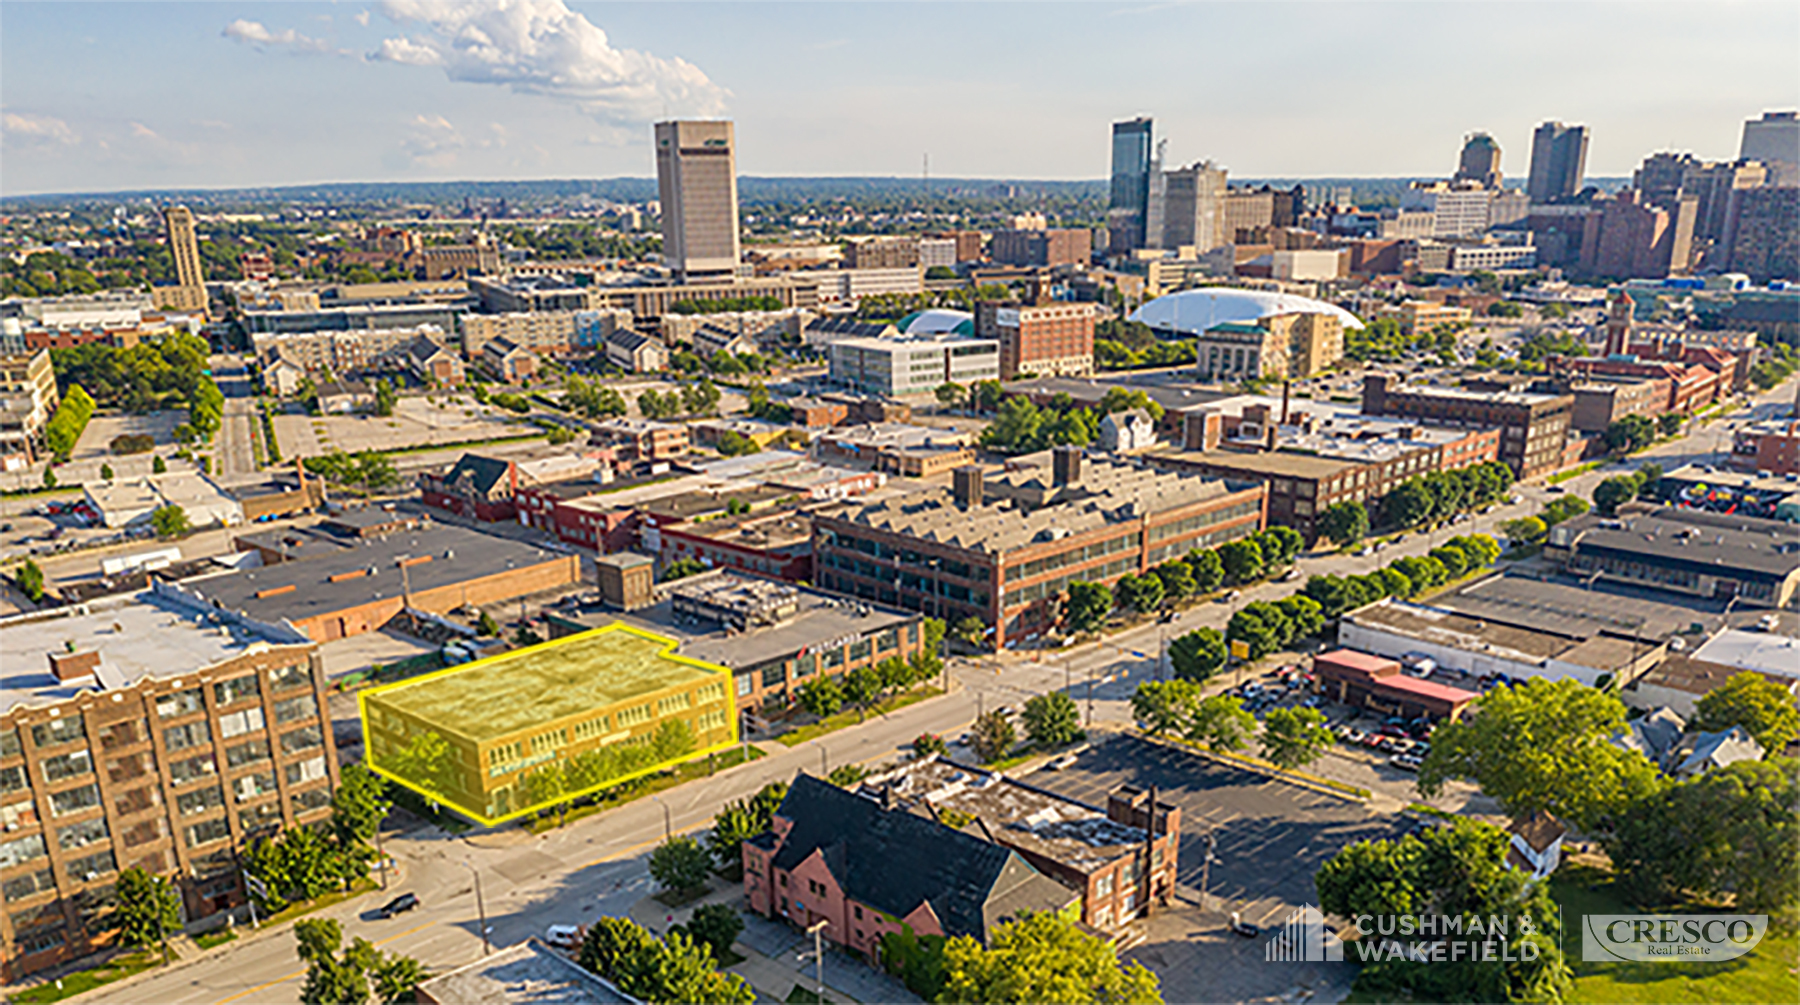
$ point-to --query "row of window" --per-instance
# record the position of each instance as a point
(1073, 556)
(1190, 524)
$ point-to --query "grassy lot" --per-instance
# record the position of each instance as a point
(851, 717)
(1575, 472)
(118, 968)
(1767, 974)
(299, 908)
(217, 937)
(638, 788)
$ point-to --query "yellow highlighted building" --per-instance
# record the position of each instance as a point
(525, 730)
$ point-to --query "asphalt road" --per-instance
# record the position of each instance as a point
(596, 865)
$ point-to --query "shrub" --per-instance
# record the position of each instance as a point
(132, 443)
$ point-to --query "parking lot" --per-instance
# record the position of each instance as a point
(1272, 837)
(417, 421)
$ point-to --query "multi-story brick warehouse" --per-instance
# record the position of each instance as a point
(615, 692)
(1002, 548)
(1533, 427)
(146, 733)
(1051, 340)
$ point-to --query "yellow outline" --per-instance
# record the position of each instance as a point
(667, 652)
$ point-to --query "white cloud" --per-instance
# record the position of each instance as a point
(363, 19)
(257, 34)
(39, 128)
(542, 47)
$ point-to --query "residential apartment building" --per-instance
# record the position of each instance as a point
(508, 362)
(28, 399)
(1601, 401)
(1774, 139)
(914, 365)
(1050, 339)
(550, 333)
(1192, 207)
(189, 291)
(696, 179)
(593, 328)
(634, 352)
(643, 440)
(1457, 208)
(940, 252)
(433, 364)
(153, 734)
(1534, 427)
(1002, 549)
(1633, 239)
(1765, 237)
(342, 353)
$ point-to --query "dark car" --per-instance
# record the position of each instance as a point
(399, 905)
(1245, 929)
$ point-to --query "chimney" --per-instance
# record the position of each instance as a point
(967, 486)
(1066, 466)
(74, 666)
(1200, 430)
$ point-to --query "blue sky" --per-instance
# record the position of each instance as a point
(100, 96)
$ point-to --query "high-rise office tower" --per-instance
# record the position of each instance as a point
(696, 177)
(1558, 161)
(1126, 213)
(184, 247)
(1774, 139)
(1194, 207)
(1480, 161)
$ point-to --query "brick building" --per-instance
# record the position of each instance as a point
(1003, 549)
(1042, 248)
(1534, 427)
(1601, 401)
(1050, 339)
(150, 733)
(1772, 446)
(882, 253)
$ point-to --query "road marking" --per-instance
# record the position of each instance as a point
(302, 973)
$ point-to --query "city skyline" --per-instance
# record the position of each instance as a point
(571, 90)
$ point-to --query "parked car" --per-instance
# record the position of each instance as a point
(1244, 929)
(1059, 763)
(1406, 762)
(399, 905)
(1228, 596)
(563, 936)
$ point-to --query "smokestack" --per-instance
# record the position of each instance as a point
(966, 486)
(1066, 465)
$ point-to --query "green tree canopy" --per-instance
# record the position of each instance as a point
(993, 737)
(1164, 706)
(1197, 655)
(1345, 522)
(1089, 604)
(1221, 722)
(1043, 958)
(1293, 737)
(1051, 720)
(1764, 708)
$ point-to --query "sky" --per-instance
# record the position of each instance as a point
(101, 97)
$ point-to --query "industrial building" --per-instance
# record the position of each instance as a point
(605, 706)
(1679, 550)
(1534, 427)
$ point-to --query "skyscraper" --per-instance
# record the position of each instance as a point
(1194, 207)
(184, 247)
(1558, 161)
(696, 177)
(1774, 139)
(1480, 161)
(1126, 210)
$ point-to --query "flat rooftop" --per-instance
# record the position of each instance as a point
(1173, 397)
(451, 554)
(1020, 815)
(759, 532)
(1582, 611)
(1279, 464)
(1763, 652)
(1696, 540)
(139, 636)
(1503, 397)
(529, 973)
(501, 695)
(1456, 631)
(820, 618)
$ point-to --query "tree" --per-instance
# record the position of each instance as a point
(1177, 580)
(680, 864)
(896, 675)
(1542, 745)
(993, 737)
(1304, 615)
(950, 394)
(1457, 871)
(1293, 737)
(1524, 530)
(735, 444)
(1164, 706)
(49, 478)
(1345, 522)
(929, 745)
(1089, 604)
(737, 822)
(682, 568)
(675, 969)
(1197, 655)
(1043, 958)
(1765, 710)
(1140, 593)
(1241, 560)
(847, 776)
(30, 579)
(1052, 720)
(1454, 559)
(1630, 434)
(106, 472)
(612, 945)
(862, 688)
(1669, 423)
(1280, 545)
(545, 785)
(397, 979)
(715, 926)
(158, 466)
(822, 697)
(170, 521)
(970, 631)
(486, 626)
(149, 908)
(1614, 492)
(1222, 723)
(1209, 572)
(1562, 508)
(1261, 626)
(358, 806)
(385, 398)
(425, 761)
(1407, 504)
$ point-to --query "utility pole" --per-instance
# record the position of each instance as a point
(480, 908)
(817, 931)
(1212, 842)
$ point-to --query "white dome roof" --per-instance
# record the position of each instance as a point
(1194, 311)
(937, 321)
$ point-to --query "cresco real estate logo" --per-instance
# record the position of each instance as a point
(1670, 938)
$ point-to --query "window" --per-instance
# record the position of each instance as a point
(121, 734)
(1103, 886)
(710, 720)
(784, 879)
(192, 769)
(290, 677)
(859, 912)
(9, 743)
(230, 692)
(28, 884)
(40, 943)
(12, 779)
(301, 739)
(69, 765)
(746, 683)
(21, 850)
(249, 752)
(136, 800)
(311, 799)
(207, 831)
(192, 734)
(674, 703)
(253, 785)
(807, 665)
(80, 835)
(239, 723)
(180, 703)
(258, 817)
(74, 800)
(83, 870)
(859, 650)
(42, 916)
(66, 729)
(200, 800)
(93, 906)
(634, 715)
(301, 772)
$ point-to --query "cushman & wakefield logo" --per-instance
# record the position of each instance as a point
(1670, 938)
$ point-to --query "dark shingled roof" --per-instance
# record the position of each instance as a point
(893, 860)
(477, 473)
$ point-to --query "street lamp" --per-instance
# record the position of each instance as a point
(480, 908)
(817, 931)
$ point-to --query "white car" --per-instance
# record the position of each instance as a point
(563, 936)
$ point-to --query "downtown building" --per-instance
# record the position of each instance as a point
(1004, 548)
(1534, 428)
(156, 733)
(1049, 339)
